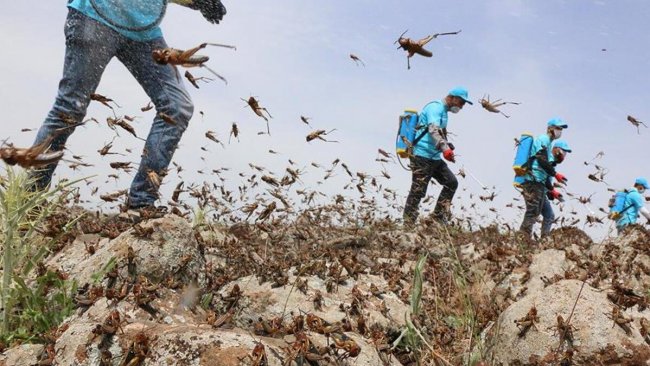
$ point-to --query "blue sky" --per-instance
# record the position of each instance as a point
(294, 56)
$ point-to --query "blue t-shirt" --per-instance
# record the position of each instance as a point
(126, 14)
(634, 200)
(537, 174)
(433, 113)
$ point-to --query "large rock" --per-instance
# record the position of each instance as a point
(268, 302)
(170, 251)
(597, 339)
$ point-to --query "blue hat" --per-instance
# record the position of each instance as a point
(642, 182)
(562, 145)
(460, 92)
(557, 122)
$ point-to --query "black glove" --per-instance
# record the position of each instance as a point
(212, 10)
(451, 146)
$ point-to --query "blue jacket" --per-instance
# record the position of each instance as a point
(634, 200)
(131, 14)
(433, 117)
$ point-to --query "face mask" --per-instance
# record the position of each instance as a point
(641, 190)
(557, 133)
(454, 109)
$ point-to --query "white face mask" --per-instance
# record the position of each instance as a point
(454, 109)
(557, 133)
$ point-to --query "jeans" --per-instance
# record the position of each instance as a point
(423, 170)
(548, 216)
(535, 196)
(90, 46)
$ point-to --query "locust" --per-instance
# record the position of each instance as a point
(565, 331)
(194, 80)
(636, 123)
(305, 120)
(148, 107)
(493, 106)
(357, 60)
(112, 122)
(112, 197)
(645, 330)
(318, 134)
(103, 100)
(212, 136)
(527, 321)
(255, 106)
(35, 156)
(234, 131)
(417, 47)
(187, 58)
(620, 320)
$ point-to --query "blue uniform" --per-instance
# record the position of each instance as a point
(537, 174)
(125, 13)
(434, 113)
(634, 200)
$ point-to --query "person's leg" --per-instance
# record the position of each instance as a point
(89, 47)
(443, 175)
(422, 171)
(534, 196)
(163, 85)
(548, 217)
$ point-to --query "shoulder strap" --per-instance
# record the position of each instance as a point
(421, 135)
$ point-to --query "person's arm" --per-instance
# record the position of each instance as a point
(644, 211)
(542, 160)
(439, 137)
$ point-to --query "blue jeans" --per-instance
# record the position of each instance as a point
(548, 216)
(90, 46)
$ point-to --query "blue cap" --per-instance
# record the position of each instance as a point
(460, 92)
(557, 122)
(642, 182)
(562, 145)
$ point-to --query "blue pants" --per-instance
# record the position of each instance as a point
(90, 46)
(548, 216)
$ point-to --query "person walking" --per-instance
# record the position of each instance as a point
(538, 186)
(634, 204)
(96, 31)
(428, 154)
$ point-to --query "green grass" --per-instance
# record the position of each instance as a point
(33, 300)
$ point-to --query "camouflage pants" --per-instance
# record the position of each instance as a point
(423, 171)
(535, 195)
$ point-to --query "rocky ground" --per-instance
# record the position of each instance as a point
(165, 292)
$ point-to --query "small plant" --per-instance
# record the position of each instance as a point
(411, 338)
(32, 303)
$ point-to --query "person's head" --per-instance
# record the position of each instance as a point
(559, 150)
(456, 99)
(641, 184)
(555, 127)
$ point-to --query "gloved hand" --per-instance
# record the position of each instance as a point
(561, 178)
(212, 10)
(449, 155)
(554, 195)
(451, 146)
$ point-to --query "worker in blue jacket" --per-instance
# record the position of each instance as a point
(428, 152)
(96, 31)
(548, 216)
(537, 185)
(634, 204)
